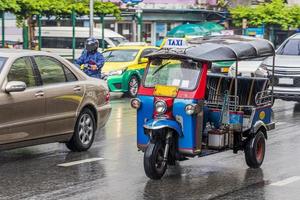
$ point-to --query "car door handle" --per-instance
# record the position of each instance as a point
(39, 94)
(77, 89)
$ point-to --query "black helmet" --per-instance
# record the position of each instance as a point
(91, 44)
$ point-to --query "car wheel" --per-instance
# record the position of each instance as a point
(133, 86)
(255, 150)
(84, 132)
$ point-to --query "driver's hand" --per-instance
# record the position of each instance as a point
(94, 67)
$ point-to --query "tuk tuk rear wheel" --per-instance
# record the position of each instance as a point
(255, 150)
(154, 165)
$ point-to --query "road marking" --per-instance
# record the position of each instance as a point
(286, 181)
(79, 162)
(281, 123)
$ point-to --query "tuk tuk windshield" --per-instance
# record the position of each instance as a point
(183, 74)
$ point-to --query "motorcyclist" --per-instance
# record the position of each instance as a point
(91, 61)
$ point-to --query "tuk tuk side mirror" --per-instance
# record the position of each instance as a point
(15, 86)
(143, 60)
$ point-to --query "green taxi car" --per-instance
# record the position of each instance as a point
(124, 67)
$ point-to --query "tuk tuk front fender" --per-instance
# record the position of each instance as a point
(260, 125)
(163, 123)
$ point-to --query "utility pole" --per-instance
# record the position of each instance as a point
(102, 32)
(73, 17)
(3, 29)
(244, 26)
(91, 18)
(25, 35)
(139, 12)
(39, 17)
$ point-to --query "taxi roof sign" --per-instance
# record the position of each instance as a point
(176, 43)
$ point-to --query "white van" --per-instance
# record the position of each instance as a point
(58, 40)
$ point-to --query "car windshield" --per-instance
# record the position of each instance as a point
(117, 40)
(120, 55)
(183, 74)
(2, 62)
(291, 47)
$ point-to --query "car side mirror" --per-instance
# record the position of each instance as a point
(15, 86)
(143, 60)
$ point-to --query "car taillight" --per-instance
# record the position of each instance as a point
(107, 97)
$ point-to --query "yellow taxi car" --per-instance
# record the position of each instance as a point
(124, 67)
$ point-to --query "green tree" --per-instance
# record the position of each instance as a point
(269, 14)
(81, 7)
(8, 6)
(30, 9)
(107, 8)
(63, 8)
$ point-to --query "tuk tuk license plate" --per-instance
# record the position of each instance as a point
(286, 81)
(225, 70)
(166, 91)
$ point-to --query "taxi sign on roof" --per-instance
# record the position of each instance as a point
(176, 43)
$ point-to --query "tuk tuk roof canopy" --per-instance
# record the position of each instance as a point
(219, 48)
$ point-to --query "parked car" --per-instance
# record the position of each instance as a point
(287, 69)
(58, 40)
(249, 68)
(44, 98)
(124, 67)
(221, 67)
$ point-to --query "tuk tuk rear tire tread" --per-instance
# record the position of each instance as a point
(150, 160)
(251, 150)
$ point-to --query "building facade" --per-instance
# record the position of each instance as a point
(159, 17)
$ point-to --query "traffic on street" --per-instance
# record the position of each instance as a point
(149, 100)
(113, 168)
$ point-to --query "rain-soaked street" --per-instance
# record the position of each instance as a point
(117, 171)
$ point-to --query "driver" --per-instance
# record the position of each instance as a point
(91, 60)
(189, 74)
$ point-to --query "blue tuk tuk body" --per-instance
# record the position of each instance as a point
(145, 120)
(184, 111)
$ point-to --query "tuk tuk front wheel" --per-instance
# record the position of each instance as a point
(154, 164)
(255, 150)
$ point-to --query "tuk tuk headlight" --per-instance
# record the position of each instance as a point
(160, 107)
(135, 103)
(192, 109)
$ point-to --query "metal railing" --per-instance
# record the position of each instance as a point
(217, 101)
(263, 98)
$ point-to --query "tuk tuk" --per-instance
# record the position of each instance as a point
(184, 111)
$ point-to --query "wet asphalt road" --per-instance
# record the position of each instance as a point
(33, 172)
